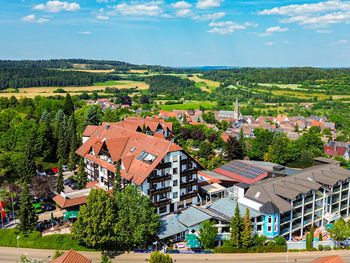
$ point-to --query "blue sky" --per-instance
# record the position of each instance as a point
(180, 33)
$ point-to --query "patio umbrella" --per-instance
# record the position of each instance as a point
(192, 241)
(71, 214)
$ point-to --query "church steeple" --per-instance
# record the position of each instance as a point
(236, 113)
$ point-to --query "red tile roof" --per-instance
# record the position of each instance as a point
(71, 256)
(89, 130)
(66, 203)
(127, 145)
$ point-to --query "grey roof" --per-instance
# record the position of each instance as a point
(225, 113)
(243, 185)
(193, 216)
(226, 208)
(326, 160)
(281, 190)
(170, 226)
(269, 209)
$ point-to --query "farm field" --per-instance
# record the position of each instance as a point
(282, 86)
(49, 91)
(187, 105)
(295, 93)
(205, 84)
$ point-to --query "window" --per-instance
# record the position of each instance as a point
(269, 229)
(162, 209)
(276, 219)
(163, 172)
(190, 165)
(175, 183)
(146, 157)
(174, 159)
(275, 228)
(269, 219)
(259, 228)
(174, 170)
(175, 195)
(162, 196)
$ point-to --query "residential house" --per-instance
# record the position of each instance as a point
(341, 149)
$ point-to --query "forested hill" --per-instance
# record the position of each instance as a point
(278, 75)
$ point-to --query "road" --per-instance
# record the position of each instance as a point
(9, 255)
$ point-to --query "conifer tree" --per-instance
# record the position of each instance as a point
(242, 142)
(247, 233)
(236, 228)
(118, 178)
(27, 213)
(81, 176)
(73, 142)
(60, 183)
(68, 106)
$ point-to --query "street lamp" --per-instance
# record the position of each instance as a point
(19, 254)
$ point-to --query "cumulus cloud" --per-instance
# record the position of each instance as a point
(152, 8)
(226, 27)
(102, 17)
(208, 17)
(205, 4)
(315, 15)
(184, 13)
(57, 6)
(181, 5)
(270, 43)
(35, 19)
(274, 29)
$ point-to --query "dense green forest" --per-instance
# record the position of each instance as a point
(277, 75)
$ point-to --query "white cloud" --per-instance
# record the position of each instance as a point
(57, 6)
(315, 15)
(184, 13)
(226, 27)
(84, 33)
(213, 16)
(274, 29)
(34, 19)
(205, 4)
(270, 43)
(102, 17)
(340, 42)
(152, 8)
(181, 5)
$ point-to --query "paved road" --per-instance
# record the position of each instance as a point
(10, 255)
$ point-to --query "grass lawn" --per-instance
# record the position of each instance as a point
(205, 84)
(187, 105)
(8, 238)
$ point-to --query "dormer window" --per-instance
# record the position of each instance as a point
(133, 149)
(146, 157)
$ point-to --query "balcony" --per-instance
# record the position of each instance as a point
(160, 190)
(163, 202)
(189, 172)
(188, 184)
(161, 178)
(163, 165)
(188, 195)
(185, 162)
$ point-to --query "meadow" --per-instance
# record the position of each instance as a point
(187, 105)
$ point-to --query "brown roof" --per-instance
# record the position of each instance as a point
(328, 259)
(127, 145)
(71, 256)
(89, 130)
(65, 203)
(280, 190)
(134, 123)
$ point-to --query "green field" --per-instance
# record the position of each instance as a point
(111, 83)
(188, 105)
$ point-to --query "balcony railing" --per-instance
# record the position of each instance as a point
(164, 165)
(189, 172)
(160, 190)
(185, 162)
(188, 195)
(157, 179)
(162, 202)
(188, 184)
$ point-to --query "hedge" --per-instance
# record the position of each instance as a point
(8, 238)
(260, 249)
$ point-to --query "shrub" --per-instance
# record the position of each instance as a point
(157, 257)
(57, 254)
(280, 241)
(320, 247)
(327, 248)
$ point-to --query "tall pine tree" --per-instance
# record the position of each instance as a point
(68, 106)
(236, 228)
(27, 213)
(73, 142)
(118, 178)
(247, 233)
(60, 181)
(81, 176)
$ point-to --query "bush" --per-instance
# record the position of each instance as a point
(35, 240)
(327, 248)
(320, 247)
(280, 241)
(57, 254)
(157, 257)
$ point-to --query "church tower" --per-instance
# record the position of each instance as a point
(236, 113)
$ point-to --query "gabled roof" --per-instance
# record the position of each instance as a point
(281, 190)
(127, 145)
(71, 256)
(89, 130)
(329, 259)
(269, 209)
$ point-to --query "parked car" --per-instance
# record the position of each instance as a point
(71, 183)
(48, 207)
(41, 173)
(65, 168)
(55, 170)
